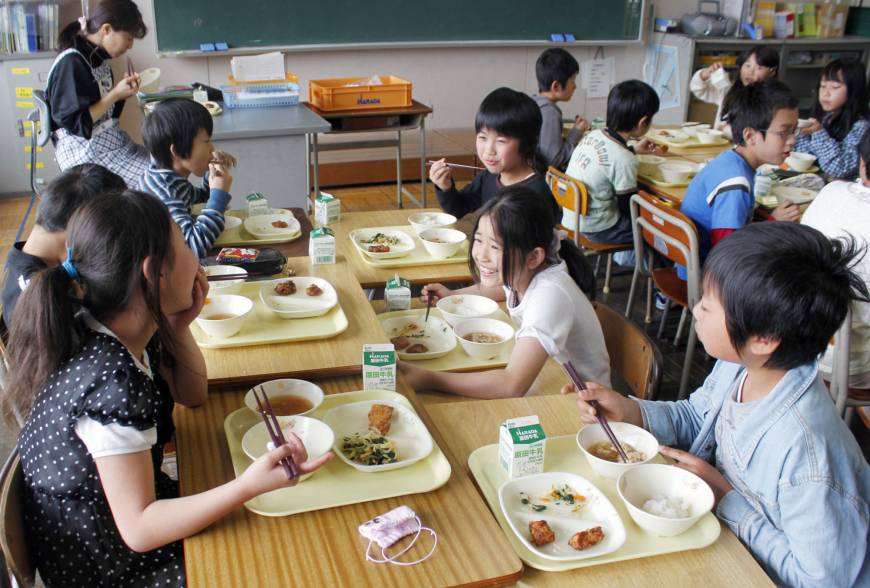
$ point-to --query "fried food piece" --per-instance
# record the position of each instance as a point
(541, 533)
(285, 288)
(313, 290)
(417, 348)
(380, 416)
(379, 248)
(279, 224)
(586, 539)
(400, 342)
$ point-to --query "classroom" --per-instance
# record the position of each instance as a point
(490, 293)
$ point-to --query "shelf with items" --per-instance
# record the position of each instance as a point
(28, 27)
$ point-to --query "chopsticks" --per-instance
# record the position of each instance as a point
(458, 165)
(130, 69)
(228, 277)
(274, 430)
(428, 308)
(581, 385)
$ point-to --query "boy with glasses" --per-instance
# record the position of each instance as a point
(720, 199)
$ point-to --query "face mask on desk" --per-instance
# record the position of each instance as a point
(388, 528)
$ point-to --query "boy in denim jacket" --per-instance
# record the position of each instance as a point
(788, 477)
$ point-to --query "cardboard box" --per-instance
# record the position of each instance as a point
(321, 246)
(257, 204)
(832, 20)
(379, 366)
(521, 445)
(327, 209)
(784, 25)
(764, 16)
(397, 294)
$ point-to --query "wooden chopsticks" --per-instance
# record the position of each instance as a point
(274, 430)
(458, 165)
(581, 385)
(130, 69)
(228, 277)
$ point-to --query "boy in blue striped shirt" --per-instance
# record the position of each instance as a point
(178, 135)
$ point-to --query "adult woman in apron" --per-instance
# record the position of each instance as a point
(84, 102)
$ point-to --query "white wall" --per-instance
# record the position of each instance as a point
(452, 80)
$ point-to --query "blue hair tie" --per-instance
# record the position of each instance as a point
(68, 266)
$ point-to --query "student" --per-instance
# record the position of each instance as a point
(756, 65)
(507, 125)
(787, 476)
(84, 101)
(607, 165)
(840, 119)
(46, 245)
(517, 256)
(843, 209)
(178, 135)
(97, 378)
(556, 70)
(720, 198)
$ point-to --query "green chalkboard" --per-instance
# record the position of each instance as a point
(182, 25)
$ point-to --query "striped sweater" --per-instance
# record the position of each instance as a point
(179, 195)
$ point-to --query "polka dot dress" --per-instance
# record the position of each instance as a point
(71, 530)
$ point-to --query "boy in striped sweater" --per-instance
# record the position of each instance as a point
(178, 135)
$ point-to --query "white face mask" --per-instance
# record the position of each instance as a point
(388, 528)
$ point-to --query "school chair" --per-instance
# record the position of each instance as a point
(661, 228)
(845, 398)
(13, 540)
(633, 355)
(571, 194)
(40, 132)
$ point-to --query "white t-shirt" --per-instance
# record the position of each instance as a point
(557, 313)
(607, 168)
(842, 209)
(114, 439)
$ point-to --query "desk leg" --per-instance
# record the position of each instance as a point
(423, 159)
(399, 169)
(314, 164)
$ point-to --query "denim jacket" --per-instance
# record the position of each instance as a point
(804, 515)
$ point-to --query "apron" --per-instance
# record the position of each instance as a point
(108, 146)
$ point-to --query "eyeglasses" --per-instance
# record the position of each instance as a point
(784, 135)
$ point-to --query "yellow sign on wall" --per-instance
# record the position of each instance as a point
(20, 71)
(22, 92)
(25, 104)
(27, 149)
(39, 165)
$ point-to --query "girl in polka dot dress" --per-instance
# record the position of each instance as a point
(100, 352)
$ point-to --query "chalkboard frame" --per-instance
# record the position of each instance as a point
(645, 22)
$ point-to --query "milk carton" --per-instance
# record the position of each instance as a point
(321, 246)
(397, 294)
(257, 204)
(327, 209)
(521, 444)
(379, 366)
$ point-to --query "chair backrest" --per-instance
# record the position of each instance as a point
(571, 194)
(633, 355)
(669, 232)
(840, 367)
(13, 540)
(41, 115)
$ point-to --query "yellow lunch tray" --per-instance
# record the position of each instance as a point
(690, 143)
(263, 327)
(418, 256)
(336, 483)
(562, 455)
(457, 360)
(238, 236)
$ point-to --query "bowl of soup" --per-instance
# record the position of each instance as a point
(442, 243)
(800, 161)
(227, 286)
(483, 338)
(288, 397)
(710, 136)
(639, 444)
(422, 221)
(223, 315)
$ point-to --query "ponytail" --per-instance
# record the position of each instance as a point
(121, 15)
(43, 335)
(578, 267)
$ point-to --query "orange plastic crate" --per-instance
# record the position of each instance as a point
(335, 94)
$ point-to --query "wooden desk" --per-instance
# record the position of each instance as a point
(725, 563)
(375, 120)
(338, 355)
(323, 548)
(370, 276)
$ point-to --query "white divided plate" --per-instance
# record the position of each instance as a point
(300, 304)
(260, 226)
(404, 247)
(407, 431)
(597, 512)
(435, 334)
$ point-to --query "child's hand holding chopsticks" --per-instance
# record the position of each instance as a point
(613, 405)
(223, 158)
(267, 473)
